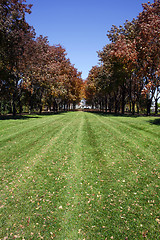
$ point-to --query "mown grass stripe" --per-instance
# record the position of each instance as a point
(82, 179)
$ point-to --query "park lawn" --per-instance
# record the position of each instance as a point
(80, 175)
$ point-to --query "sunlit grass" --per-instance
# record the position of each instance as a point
(80, 176)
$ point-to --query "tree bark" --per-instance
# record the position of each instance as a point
(14, 104)
(30, 103)
(106, 104)
(115, 103)
(149, 101)
(123, 99)
(137, 108)
(133, 107)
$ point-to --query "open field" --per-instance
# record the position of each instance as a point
(80, 175)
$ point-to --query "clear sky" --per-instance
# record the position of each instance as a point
(80, 26)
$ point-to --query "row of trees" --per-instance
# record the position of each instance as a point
(129, 73)
(33, 74)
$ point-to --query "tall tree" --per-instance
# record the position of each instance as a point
(148, 49)
(130, 63)
(13, 31)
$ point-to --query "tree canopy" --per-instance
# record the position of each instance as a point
(129, 73)
(33, 74)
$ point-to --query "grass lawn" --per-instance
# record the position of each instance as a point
(80, 175)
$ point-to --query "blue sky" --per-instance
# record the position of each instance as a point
(80, 26)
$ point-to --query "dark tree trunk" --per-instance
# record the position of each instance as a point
(19, 104)
(115, 104)
(0, 107)
(100, 104)
(30, 104)
(106, 102)
(40, 109)
(116, 107)
(123, 100)
(149, 101)
(50, 107)
(130, 106)
(109, 104)
(40, 104)
(133, 107)
(156, 106)
(137, 108)
(103, 104)
(14, 104)
(92, 105)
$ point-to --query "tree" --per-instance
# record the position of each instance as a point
(91, 87)
(148, 49)
(13, 32)
(130, 63)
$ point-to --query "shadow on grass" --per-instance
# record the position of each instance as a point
(17, 117)
(107, 114)
(27, 116)
(155, 121)
(115, 115)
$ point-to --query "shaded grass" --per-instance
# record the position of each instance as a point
(80, 176)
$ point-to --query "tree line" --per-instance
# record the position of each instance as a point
(128, 76)
(33, 74)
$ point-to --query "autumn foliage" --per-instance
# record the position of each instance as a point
(33, 74)
(128, 76)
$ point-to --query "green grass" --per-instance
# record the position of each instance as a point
(80, 175)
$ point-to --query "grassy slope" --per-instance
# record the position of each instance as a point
(80, 176)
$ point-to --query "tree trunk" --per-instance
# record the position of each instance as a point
(130, 106)
(14, 104)
(40, 109)
(30, 104)
(92, 105)
(130, 95)
(123, 100)
(115, 104)
(19, 105)
(50, 107)
(137, 108)
(106, 104)
(100, 105)
(149, 101)
(133, 107)
(109, 105)
(156, 106)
